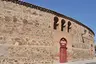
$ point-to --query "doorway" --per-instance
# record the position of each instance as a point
(63, 50)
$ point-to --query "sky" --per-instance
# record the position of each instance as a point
(82, 10)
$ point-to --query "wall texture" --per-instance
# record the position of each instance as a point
(80, 41)
(27, 35)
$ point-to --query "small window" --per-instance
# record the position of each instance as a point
(91, 45)
(56, 19)
(62, 24)
(55, 22)
(72, 45)
(85, 31)
(69, 26)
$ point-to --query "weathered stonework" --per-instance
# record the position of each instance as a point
(27, 35)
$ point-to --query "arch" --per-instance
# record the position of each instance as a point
(62, 24)
(69, 26)
(55, 22)
(63, 50)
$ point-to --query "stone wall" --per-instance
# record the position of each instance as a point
(80, 40)
(27, 35)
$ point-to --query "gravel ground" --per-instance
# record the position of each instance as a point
(93, 61)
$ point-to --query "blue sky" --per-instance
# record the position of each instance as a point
(81, 10)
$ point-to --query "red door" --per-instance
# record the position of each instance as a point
(63, 50)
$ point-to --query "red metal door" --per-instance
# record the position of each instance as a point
(63, 55)
(63, 50)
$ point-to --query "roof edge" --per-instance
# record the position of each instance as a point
(47, 10)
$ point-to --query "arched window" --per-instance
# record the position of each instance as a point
(62, 24)
(55, 22)
(91, 45)
(69, 26)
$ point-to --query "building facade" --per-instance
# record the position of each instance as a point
(30, 34)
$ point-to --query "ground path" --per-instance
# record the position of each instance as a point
(91, 61)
